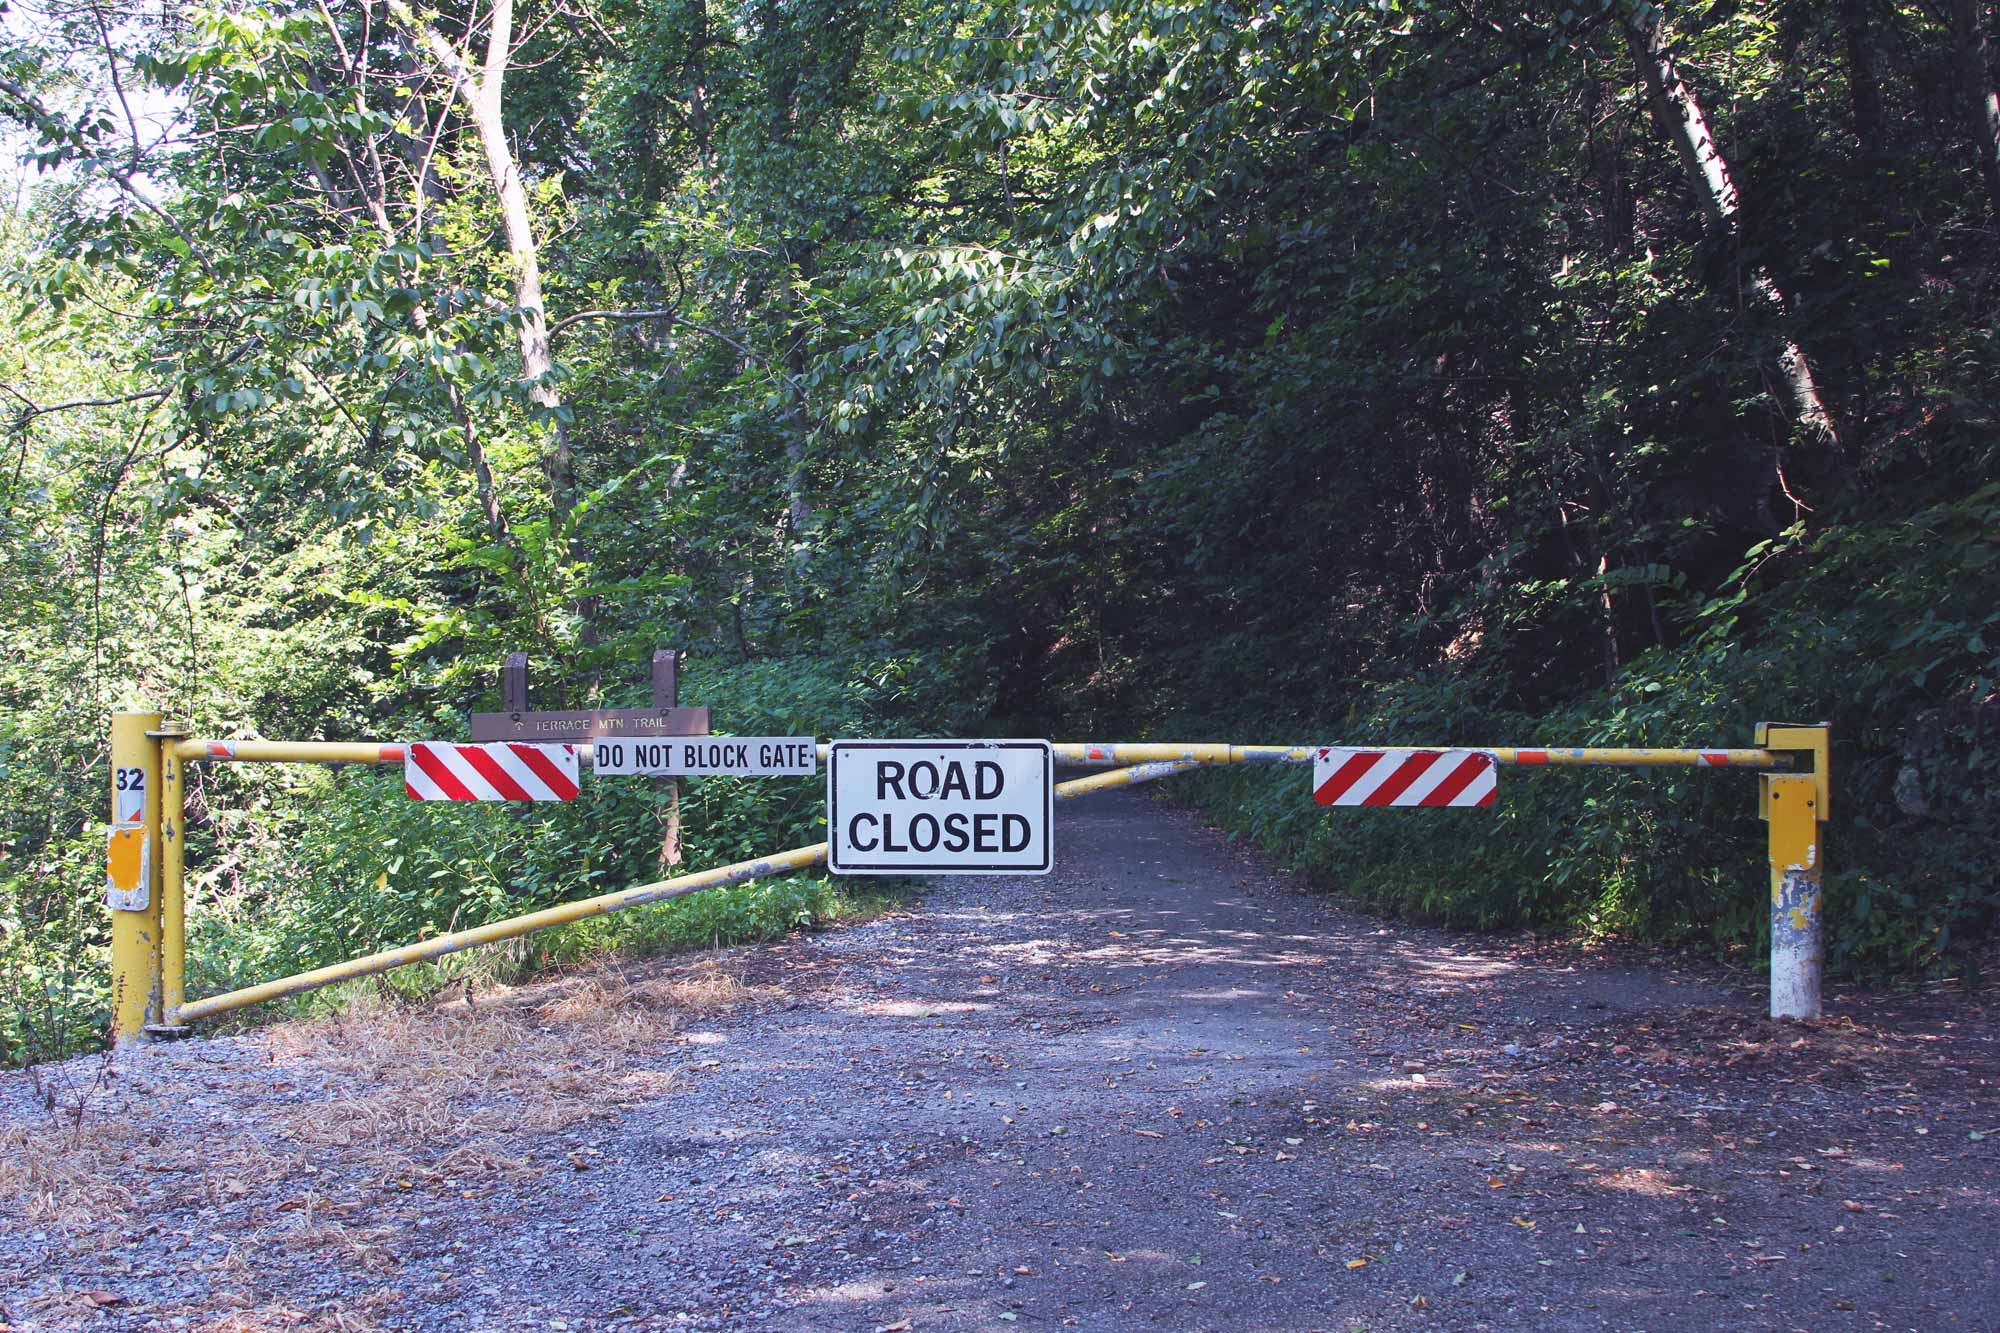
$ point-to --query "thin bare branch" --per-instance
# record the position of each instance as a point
(31, 409)
(55, 128)
(117, 82)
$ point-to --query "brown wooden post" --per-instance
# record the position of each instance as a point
(514, 684)
(667, 694)
(667, 678)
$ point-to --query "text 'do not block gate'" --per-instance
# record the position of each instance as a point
(705, 756)
(1381, 778)
(502, 771)
(940, 807)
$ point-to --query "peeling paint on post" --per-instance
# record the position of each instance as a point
(1791, 809)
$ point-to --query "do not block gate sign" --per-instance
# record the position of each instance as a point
(940, 807)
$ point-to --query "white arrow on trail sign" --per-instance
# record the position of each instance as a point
(940, 807)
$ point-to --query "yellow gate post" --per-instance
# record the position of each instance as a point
(132, 857)
(1793, 806)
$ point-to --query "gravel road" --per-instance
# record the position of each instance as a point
(1161, 1088)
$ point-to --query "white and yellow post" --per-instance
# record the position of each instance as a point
(132, 874)
(1794, 806)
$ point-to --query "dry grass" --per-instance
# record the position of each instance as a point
(51, 1177)
(532, 1061)
(307, 1134)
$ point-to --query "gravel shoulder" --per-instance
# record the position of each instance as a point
(1161, 1088)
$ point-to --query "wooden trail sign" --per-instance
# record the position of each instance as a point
(519, 723)
(583, 724)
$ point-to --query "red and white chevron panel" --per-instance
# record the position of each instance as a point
(1436, 778)
(498, 771)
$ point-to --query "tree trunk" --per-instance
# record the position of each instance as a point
(419, 149)
(481, 92)
(1609, 611)
(801, 256)
(537, 362)
(1681, 118)
(482, 470)
(799, 511)
(1604, 152)
(1864, 89)
(698, 127)
(1975, 92)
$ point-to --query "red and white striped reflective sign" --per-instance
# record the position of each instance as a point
(497, 771)
(1438, 778)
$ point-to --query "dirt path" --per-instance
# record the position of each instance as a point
(1159, 1089)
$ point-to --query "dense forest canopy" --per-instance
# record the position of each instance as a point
(1566, 372)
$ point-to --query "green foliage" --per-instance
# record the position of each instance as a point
(1877, 627)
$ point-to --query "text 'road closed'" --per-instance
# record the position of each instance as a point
(940, 807)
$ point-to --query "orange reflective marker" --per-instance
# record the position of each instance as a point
(128, 870)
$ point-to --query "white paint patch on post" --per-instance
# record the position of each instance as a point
(1791, 809)
(1797, 952)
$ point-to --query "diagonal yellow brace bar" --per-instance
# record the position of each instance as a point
(495, 931)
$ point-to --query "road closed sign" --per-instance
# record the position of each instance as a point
(940, 807)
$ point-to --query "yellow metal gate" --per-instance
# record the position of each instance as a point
(146, 855)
